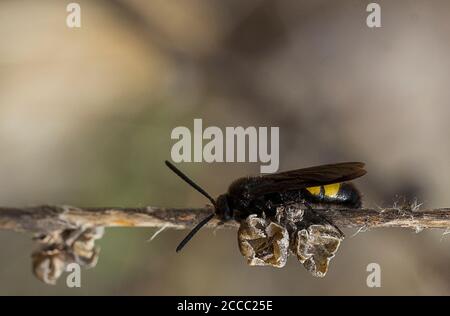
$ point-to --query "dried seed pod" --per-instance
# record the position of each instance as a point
(84, 249)
(60, 248)
(49, 264)
(92, 233)
(49, 238)
(85, 253)
(289, 215)
(263, 242)
(315, 246)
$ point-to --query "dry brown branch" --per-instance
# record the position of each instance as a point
(51, 218)
(67, 234)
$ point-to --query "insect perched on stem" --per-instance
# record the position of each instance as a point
(315, 187)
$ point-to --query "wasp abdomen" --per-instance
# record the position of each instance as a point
(344, 194)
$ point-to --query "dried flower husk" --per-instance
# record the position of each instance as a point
(49, 264)
(263, 242)
(290, 215)
(315, 246)
(60, 248)
(84, 249)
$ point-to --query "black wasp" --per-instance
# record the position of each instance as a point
(316, 187)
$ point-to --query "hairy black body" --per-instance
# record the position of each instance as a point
(241, 203)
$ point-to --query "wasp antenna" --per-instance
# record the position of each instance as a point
(193, 232)
(190, 182)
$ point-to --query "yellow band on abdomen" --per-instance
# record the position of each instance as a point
(314, 190)
(331, 190)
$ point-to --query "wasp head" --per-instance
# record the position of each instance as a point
(223, 209)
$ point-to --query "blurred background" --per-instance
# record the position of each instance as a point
(86, 116)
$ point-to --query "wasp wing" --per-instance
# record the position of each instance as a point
(306, 177)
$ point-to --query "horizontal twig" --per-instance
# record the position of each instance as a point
(51, 218)
(67, 234)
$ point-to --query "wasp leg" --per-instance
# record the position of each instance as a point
(321, 216)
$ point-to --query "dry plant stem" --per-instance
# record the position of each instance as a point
(53, 218)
